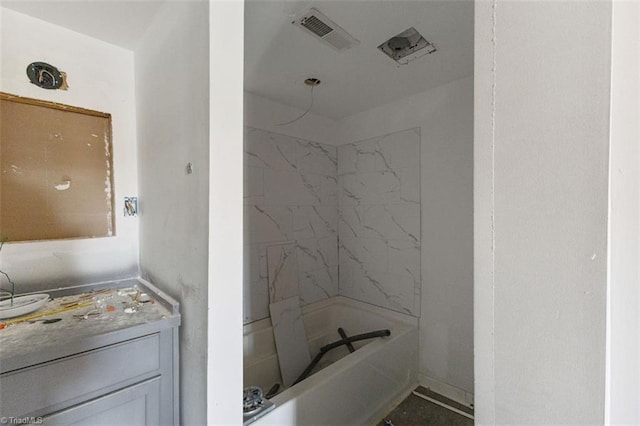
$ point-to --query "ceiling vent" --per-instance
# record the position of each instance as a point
(407, 46)
(325, 29)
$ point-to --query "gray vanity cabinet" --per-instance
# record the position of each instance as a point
(120, 375)
(137, 404)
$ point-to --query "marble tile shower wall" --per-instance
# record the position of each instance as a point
(290, 194)
(355, 207)
(379, 221)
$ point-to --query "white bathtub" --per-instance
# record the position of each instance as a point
(354, 389)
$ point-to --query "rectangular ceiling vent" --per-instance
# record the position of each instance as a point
(325, 29)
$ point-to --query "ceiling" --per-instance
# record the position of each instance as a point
(117, 22)
(279, 56)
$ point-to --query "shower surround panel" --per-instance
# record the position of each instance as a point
(379, 221)
(356, 207)
(290, 194)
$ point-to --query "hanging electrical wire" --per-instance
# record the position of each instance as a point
(311, 82)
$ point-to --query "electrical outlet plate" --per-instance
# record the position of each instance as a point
(130, 206)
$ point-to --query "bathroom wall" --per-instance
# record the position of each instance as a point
(623, 307)
(100, 77)
(379, 221)
(542, 125)
(441, 121)
(444, 117)
(291, 195)
(265, 114)
(290, 190)
(172, 91)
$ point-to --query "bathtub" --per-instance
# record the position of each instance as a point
(351, 388)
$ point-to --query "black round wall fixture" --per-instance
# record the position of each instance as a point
(44, 75)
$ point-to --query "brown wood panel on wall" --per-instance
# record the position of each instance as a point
(56, 179)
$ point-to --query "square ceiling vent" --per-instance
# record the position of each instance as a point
(407, 46)
(320, 26)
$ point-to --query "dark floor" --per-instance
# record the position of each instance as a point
(415, 411)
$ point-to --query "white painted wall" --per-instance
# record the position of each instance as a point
(445, 118)
(100, 77)
(483, 216)
(265, 114)
(172, 91)
(541, 155)
(623, 360)
(224, 324)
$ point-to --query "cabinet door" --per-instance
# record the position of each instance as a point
(135, 405)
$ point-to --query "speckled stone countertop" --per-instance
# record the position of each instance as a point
(104, 309)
